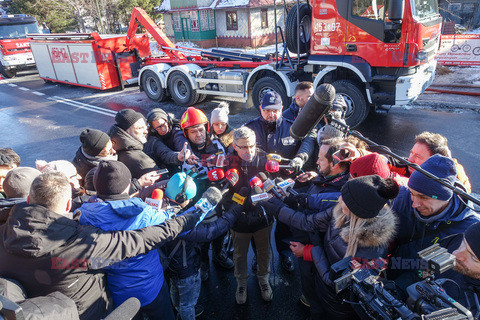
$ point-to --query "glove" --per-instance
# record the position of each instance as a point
(296, 164)
(294, 201)
(273, 206)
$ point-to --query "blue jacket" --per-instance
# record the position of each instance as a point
(275, 138)
(292, 112)
(141, 276)
(415, 235)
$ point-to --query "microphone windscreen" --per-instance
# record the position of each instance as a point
(257, 190)
(313, 111)
(157, 194)
(243, 191)
(262, 176)
(233, 178)
(212, 195)
(272, 166)
(216, 174)
(278, 180)
(126, 310)
(230, 171)
(256, 181)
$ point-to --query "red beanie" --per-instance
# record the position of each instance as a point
(370, 164)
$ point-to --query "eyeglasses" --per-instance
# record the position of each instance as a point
(163, 126)
(245, 147)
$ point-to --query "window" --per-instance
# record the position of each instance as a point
(232, 23)
(264, 18)
(204, 20)
(177, 25)
(211, 16)
(370, 9)
(194, 21)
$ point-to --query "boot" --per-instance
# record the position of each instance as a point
(221, 259)
(241, 293)
(265, 289)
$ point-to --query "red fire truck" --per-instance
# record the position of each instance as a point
(15, 53)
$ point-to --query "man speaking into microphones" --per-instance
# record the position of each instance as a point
(273, 136)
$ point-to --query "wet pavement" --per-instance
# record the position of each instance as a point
(43, 121)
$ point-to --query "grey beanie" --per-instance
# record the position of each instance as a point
(18, 181)
(219, 114)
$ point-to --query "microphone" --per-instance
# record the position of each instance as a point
(258, 195)
(209, 200)
(255, 181)
(269, 185)
(220, 160)
(276, 157)
(273, 166)
(216, 175)
(232, 179)
(286, 186)
(313, 111)
(126, 310)
(240, 196)
(156, 199)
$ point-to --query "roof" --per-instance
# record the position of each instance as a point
(221, 4)
(232, 3)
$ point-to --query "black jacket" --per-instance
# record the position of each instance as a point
(164, 149)
(6, 205)
(83, 164)
(130, 152)
(47, 252)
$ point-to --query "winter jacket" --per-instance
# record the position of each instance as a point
(292, 112)
(225, 138)
(212, 148)
(140, 276)
(275, 138)
(84, 164)
(417, 232)
(164, 149)
(374, 238)
(6, 205)
(47, 252)
(130, 152)
(183, 253)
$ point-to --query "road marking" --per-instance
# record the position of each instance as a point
(78, 105)
(88, 106)
(38, 93)
(12, 84)
(23, 88)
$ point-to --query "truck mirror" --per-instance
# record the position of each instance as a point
(395, 10)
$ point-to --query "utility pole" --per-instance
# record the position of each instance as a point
(100, 17)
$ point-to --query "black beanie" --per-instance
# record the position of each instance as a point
(156, 114)
(111, 178)
(93, 141)
(127, 117)
(366, 196)
(472, 236)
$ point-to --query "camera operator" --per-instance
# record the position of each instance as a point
(361, 225)
(428, 211)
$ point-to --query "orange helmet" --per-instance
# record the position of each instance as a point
(193, 117)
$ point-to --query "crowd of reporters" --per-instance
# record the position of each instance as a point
(112, 224)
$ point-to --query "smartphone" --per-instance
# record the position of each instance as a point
(339, 156)
(162, 171)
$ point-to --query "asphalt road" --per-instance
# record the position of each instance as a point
(43, 121)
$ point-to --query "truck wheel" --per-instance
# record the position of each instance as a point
(8, 73)
(153, 87)
(266, 84)
(357, 108)
(181, 90)
(292, 31)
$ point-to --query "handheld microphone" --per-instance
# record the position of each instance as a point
(273, 166)
(232, 179)
(269, 185)
(240, 196)
(216, 175)
(258, 195)
(286, 186)
(276, 157)
(255, 181)
(220, 160)
(209, 200)
(126, 310)
(156, 199)
(313, 111)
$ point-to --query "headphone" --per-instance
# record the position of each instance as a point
(182, 197)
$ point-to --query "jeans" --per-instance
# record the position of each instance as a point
(184, 294)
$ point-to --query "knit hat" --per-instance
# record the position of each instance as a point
(219, 115)
(127, 117)
(366, 196)
(93, 141)
(156, 114)
(175, 186)
(111, 178)
(271, 101)
(65, 167)
(372, 163)
(440, 166)
(472, 236)
(18, 181)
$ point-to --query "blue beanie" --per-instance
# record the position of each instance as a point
(175, 186)
(442, 167)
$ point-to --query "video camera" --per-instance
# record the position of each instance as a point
(373, 297)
